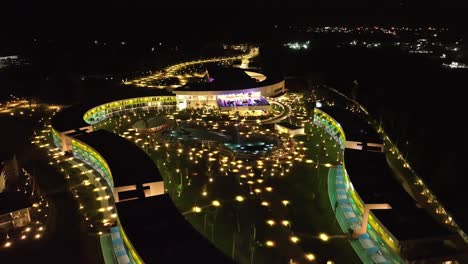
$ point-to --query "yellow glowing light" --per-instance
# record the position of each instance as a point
(269, 189)
(196, 209)
(271, 222)
(294, 239)
(257, 190)
(285, 202)
(310, 256)
(285, 222)
(37, 236)
(239, 198)
(324, 237)
(205, 193)
(7, 244)
(265, 204)
(270, 243)
(216, 203)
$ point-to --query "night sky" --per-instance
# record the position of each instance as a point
(212, 19)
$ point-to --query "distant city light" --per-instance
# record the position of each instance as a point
(455, 65)
(297, 45)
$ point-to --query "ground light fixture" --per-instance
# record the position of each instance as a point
(324, 237)
(294, 239)
(239, 198)
(310, 256)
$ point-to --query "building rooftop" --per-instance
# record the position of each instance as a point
(355, 128)
(128, 163)
(70, 118)
(13, 201)
(229, 78)
(374, 182)
(168, 239)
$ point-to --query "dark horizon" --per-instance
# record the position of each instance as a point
(212, 19)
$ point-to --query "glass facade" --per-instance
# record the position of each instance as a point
(92, 158)
(102, 112)
(376, 230)
(331, 126)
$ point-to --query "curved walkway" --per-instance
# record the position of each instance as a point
(347, 213)
(276, 119)
(435, 207)
(172, 71)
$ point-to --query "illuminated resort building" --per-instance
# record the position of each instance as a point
(230, 89)
(15, 210)
(144, 212)
(15, 205)
(133, 175)
(403, 232)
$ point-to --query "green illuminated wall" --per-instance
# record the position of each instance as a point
(324, 120)
(133, 255)
(100, 112)
(56, 138)
(92, 156)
